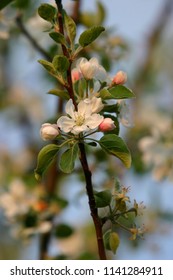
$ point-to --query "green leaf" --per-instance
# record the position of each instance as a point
(106, 238)
(70, 27)
(47, 12)
(60, 93)
(121, 92)
(45, 157)
(58, 38)
(93, 144)
(47, 65)
(110, 108)
(114, 145)
(63, 231)
(105, 94)
(67, 161)
(4, 3)
(60, 63)
(88, 36)
(114, 241)
(103, 198)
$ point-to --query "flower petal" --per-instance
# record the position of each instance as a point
(69, 108)
(65, 124)
(93, 121)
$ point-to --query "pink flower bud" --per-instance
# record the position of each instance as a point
(106, 125)
(76, 75)
(49, 131)
(120, 78)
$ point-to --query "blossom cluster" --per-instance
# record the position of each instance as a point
(87, 116)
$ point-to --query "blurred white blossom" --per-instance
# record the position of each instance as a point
(157, 148)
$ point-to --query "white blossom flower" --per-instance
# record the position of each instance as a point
(49, 131)
(91, 69)
(82, 120)
(16, 201)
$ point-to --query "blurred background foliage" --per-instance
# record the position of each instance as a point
(50, 220)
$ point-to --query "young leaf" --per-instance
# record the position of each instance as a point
(121, 92)
(105, 94)
(58, 38)
(114, 145)
(47, 12)
(90, 35)
(102, 198)
(67, 161)
(45, 158)
(114, 241)
(70, 27)
(47, 65)
(60, 93)
(60, 63)
(4, 3)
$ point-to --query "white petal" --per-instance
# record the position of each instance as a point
(66, 124)
(94, 121)
(94, 61)
(84, 108)
(78, 129)
(69, 108)
(96, 104)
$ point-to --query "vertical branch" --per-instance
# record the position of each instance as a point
(92, 203)
(83, 158)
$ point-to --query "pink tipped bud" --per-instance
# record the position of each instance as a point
(76, 75)
(120, 78)
(106, 125)
(49, 131)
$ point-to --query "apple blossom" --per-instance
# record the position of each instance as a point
(107, 125)
(91, 69)
(79, 121)
(120, 78)
(49, 131)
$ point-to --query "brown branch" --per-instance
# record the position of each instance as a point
(92, 203)
(83, 158)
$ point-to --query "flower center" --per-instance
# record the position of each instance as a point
(79, 120)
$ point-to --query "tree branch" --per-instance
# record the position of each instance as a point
(83, 158)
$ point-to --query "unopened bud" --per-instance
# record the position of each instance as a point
(76, 75)
(120, 78)
(49, 131)
(106, 125)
